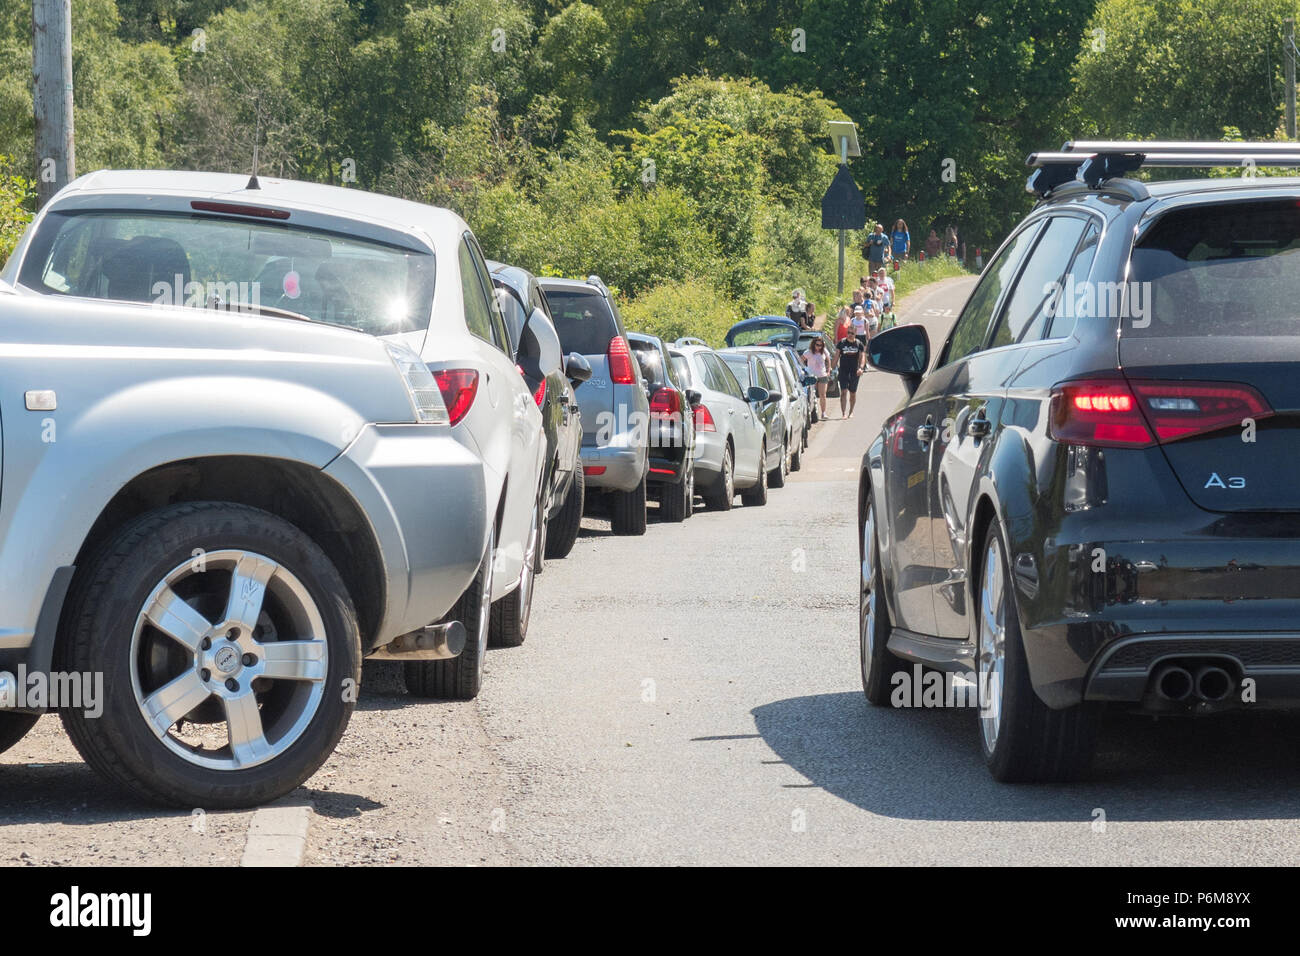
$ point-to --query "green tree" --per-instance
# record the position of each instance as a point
(1182, 69)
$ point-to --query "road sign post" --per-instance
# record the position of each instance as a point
(843, 207)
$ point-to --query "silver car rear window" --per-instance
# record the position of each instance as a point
(204, 261)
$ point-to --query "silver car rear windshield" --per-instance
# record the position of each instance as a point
(202, 261)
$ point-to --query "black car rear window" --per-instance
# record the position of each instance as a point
(1224, 269)
(583, 320)
(651, 361)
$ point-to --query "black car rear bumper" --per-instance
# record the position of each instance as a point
(1264, 669)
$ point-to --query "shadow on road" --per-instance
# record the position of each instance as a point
(925, 764)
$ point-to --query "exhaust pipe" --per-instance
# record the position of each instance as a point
(1213, 683)
(437, 642)
(1173, 682)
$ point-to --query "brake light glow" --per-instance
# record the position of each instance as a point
(666, 403)
(704, 419)
(620, 362)
(458, 387)
(593, 469)
(1138, 414)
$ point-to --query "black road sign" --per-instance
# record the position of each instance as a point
(843, 206)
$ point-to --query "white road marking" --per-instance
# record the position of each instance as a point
(277, 834)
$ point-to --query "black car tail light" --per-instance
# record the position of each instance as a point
(1138, 414)
(666, 403)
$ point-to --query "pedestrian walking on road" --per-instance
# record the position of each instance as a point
(794, 309)
(877, 245)
(815, 361)
(858, 322)
(809, 316)
(900, 241)
(850, 360)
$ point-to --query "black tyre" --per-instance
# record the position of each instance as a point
(1022, 739)
(675, 500)
(508, 626)
(627, 510)
(757, 495)
(722, 494)
(230, 653)
(562, 530)
(14, 727)
(796, 457)
(878, 663)
(776, 477)
(461, 678)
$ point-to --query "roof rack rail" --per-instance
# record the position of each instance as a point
(1097, 162)
(690, 340)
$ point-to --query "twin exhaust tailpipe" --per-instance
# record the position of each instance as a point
(1209, 683)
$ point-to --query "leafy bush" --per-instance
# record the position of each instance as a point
(17, 197)
(676, 308)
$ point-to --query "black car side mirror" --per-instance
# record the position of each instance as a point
(903, 350)
(758, 395)
(539, 353)
(809, 380)
(694, 397)
(576, 368)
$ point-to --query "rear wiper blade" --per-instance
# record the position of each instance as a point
(260, 309)
(272, 310)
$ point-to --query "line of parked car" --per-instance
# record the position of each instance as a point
(256, 430)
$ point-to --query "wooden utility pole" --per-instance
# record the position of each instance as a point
(1290, 76)
(52, 96)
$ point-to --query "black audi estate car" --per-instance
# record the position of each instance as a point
(1088, 497)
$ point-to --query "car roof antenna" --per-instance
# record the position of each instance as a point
(257, 135)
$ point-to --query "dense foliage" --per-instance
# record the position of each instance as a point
(676, 147)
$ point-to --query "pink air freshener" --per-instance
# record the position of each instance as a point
(292, 289)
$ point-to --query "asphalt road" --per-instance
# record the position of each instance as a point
(692, 697)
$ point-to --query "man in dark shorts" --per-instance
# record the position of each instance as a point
(850, 359)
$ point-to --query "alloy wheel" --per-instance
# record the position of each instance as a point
(992, 644)
(229, 637)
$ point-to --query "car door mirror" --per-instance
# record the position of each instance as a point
(810, 380)
(903, 350)
(758, 395)
(576, 368)
(539, 353)
(694, 397)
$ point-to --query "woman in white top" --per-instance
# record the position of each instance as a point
(816, 363)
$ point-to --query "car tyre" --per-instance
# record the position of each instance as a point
(777, 476)
(1022, 739)
(757, 495)
(461, 678)
(170, 565)
(878, 663)
(561, 538)
(508, 626)
(629, 514)
(722, 495)
(675, 500)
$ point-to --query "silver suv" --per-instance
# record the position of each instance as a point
(208, 518)
(615, 409)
